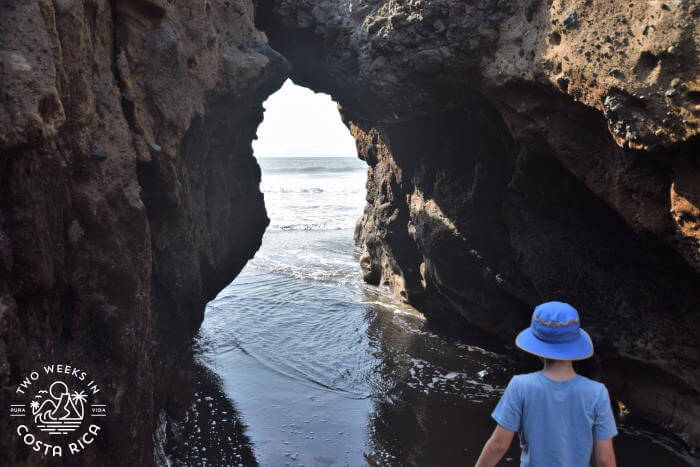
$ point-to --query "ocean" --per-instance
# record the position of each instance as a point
(301, 363)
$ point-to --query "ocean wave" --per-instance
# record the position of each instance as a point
(340, 225)
(293, 190)
(320, 267)
(333, 191)
(312, 169)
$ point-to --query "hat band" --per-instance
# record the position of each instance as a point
(556, 324)
(556, 339)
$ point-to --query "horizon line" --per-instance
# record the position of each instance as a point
(295, 155)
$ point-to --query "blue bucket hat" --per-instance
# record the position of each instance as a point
(555, 332)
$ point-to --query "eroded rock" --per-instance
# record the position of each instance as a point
(550, 154)
(111, 243)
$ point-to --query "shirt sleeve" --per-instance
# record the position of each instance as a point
(508, 413)
(603, 421)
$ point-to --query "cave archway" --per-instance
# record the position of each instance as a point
(504, 173)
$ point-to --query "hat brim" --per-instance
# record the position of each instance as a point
(579, 349)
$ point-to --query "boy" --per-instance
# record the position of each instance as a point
(562, 418)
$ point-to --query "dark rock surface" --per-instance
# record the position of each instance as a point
(128, 194)
(461, 217)
(556, 81)
(527, 151)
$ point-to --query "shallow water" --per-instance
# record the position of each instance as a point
(300, 363)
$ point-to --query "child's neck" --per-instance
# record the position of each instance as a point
(559, 370)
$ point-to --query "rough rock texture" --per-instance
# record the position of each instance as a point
(128, 194)
(525, 151)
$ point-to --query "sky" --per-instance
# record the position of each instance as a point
(299, 122)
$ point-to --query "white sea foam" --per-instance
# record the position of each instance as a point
(313, 193)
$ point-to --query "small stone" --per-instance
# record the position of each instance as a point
(671, 50)
(670, 92)
(154, 147)
(675, 82)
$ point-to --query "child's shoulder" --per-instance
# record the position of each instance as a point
(526, 376)
(536, 378)
(590, 384)
(524, 379)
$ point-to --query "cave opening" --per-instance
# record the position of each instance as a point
(314, 361)
(311, 176)
(318, 364)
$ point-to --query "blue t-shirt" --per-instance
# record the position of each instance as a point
(557, 421)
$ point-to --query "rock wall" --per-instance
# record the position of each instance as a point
(128, 194)
(527, 151)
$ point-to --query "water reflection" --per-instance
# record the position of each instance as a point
(404, 395)
(209, 431)
(432, 409)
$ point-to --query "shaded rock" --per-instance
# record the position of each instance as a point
(538, 158)
(428, 61)
(461, 218)
(75, 233)
(63, 5)
(439, 26)
(99, 260)
(99, 154)
(128, 162)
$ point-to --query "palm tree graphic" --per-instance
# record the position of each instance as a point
(79, 399)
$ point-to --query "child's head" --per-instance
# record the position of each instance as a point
(555, 333)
